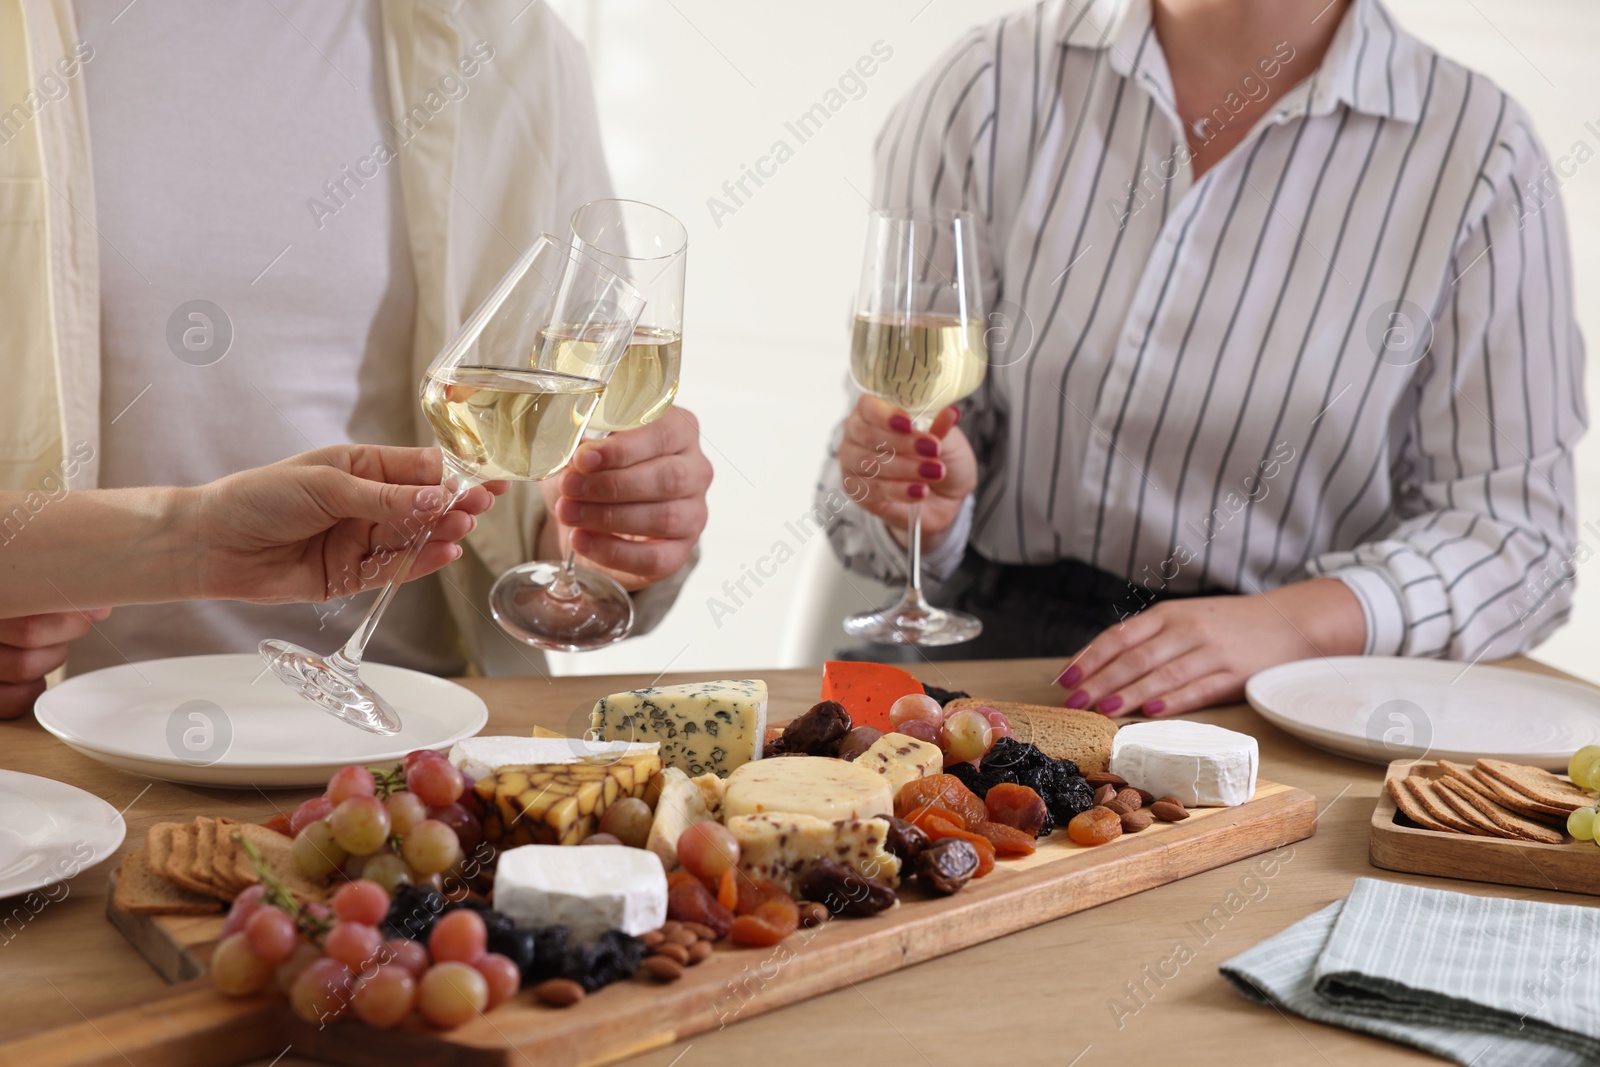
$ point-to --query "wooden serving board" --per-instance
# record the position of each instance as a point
(1398, 844)
(197, 1027)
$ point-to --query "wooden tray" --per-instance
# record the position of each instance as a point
(196, 1027)
(1398, 844)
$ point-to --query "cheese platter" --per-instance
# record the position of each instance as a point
(683, 865)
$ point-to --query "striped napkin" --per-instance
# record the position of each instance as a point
(1482, 981)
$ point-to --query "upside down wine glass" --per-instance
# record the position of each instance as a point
(561, 606)
(918, 343)
(508, 398)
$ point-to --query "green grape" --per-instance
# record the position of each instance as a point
(315, 851)
(1580, 824)
(388, 870)
(1579, 766)
(360, 825)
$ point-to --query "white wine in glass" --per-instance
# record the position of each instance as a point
(918, 343)
(501, 410)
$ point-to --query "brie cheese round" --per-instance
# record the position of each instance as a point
(1200, 764)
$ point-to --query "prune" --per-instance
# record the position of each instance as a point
(609, 958)
(844, 891)
(905, 840)
(549, 954)
(945, 866)
(1017, 806)
(1072, 799)
(981, 779)
(413, 911)
(944, 696)
(819, 731)
(519, 946)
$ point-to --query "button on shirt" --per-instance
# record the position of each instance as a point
(1347, 349)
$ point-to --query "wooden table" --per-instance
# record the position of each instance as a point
(1098, 987)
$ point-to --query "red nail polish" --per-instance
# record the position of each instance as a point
(1070, 677)
(1079, 699)
(958, 414)
(1110, 704)
(916, 490)
(931, 471)
(927, 446)
(1154, 707)
(899, 424)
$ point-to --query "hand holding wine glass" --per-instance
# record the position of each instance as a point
(936, 469)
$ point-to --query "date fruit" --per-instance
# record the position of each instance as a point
(819, 731)
(945, 866)
(905, 840)
(843, 891)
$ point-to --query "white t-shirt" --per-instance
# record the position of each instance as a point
(212, 126)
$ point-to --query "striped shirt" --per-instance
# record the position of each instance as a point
(1347, 349)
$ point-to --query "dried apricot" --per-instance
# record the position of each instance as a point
(1007, 840)
(728, 890)
(690, 902)
(1016, 806)
(939, 829)
(754, 892)
(772, 920)
(941, 791)
(920, 816)
(1095, 826)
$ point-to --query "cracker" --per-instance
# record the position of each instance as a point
(141, 891)
(1451, 792)
(277, 853)
(1427, 793)
(1504, 819)
(223, 855)
(1520, 802)
(181, 868)
(158, 846)
(1537, 784)
(1411, 808)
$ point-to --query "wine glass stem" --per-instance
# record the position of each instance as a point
(914, 556)
(348, 658)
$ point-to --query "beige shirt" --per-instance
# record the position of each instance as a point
(495, 137)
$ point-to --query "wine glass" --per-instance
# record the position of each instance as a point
(508, 398)
(564, 607)
(918, 343)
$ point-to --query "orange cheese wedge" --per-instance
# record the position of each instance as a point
(867, 690)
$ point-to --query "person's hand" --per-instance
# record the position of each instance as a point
(633, 504)
(325, 524)
(887, 465)
(31, 647)
(1180, 655)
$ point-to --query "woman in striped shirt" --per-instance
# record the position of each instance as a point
(1282, 308)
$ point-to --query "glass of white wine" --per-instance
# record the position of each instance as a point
(508, 398)
(918, 343)
(561, 606)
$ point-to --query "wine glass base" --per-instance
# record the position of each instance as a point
(530, 604)
(335, 690)
(909, 622)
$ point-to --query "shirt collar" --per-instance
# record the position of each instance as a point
(1372, 65)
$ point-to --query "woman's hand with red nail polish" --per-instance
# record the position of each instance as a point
(887, 465)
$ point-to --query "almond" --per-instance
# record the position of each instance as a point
(662, 968)
(1100, 778)
(1134, 821)
(1131, 798)
(1117, 807)
(1168, 811)
(699, 952)
(1148, 797)
(652, 938)
(702, 931)
(813, 914)
(559, 992)
(1105, 793)
(683, 936)
(672, 951)
(1170, 799)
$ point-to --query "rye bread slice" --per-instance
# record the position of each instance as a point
(1503, 818)
(158, 846)
(277, 853)
(181, 867)
(1454, 793)
(1411, 808)
(1537, 784)
(1502, 794)
(207, 832)
(1084, 737)
(1427, 793)
(141, 891)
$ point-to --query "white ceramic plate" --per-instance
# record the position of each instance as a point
(50, 832)
(1380, 708)
(227, 721)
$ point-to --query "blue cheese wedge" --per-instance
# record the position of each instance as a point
(589, 890)
(479, 757)
(702, 727)
(782, 848)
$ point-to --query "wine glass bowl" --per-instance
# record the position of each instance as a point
(918, 342)
(508, 398)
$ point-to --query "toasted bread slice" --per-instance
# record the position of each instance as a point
(1427, 793)
(1537, 784)
(140, 891)
(1411, 808)
(1452, 792)
(277, 853)
(181, 867)
(1505, 820)
(1084, 737)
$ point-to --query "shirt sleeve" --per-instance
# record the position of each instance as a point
(932, 153)
(1483, 557)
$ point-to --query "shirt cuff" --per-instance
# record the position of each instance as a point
(1382, 606)
(941, 563)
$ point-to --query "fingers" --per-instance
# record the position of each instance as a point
(675, 431)
(24, 666)
(1149, 690)
(435, 556)
(678, 518)
(378, 463)
(1111, 643)
(650, 560)
(675, 477)
(17, 700)
(54, 628)
(1139, 660)
(1218, 687)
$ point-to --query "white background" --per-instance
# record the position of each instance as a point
(690, 91)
